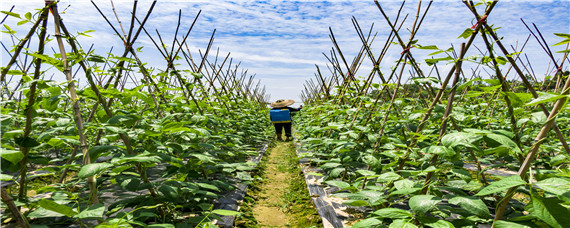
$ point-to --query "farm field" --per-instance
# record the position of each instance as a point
(399, 132)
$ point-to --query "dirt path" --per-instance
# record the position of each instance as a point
(268, 210)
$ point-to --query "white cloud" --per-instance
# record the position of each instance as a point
(280, 41)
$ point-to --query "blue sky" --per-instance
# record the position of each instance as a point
(281, 41)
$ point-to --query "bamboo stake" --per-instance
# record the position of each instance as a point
(91, 181)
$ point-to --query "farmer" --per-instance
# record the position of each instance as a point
(280, 116)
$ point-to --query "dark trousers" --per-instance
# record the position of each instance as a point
(280, 126)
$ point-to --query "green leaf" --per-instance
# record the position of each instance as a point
(428, 47)
(93, 169)
(6, 177)
(507, 224)
(421, 204)
(96, 151)
(502, 185)
(463, 174)
(442, 151)
(501, 60)
(544, 98)
(550, 211)
(494, 140)
(330, 165)
(225, 212)
(13, 156)
(460, 139)
(562, 42)
(435, 222)
(26, 142)
(208, 186)
(11, 14)
(366, 223)
(22, 22)
(402, 223)
(393, 213)
(563, 35)
(340, 184)
(140, 159)
(43, 213)
(92, 212)
(404, 184)
(169, 192)
(164, 225)
(556, 185)
(466, 34)
(55, 207)
(471, 204)
(389, 176)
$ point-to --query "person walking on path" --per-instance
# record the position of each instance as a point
(280, 115)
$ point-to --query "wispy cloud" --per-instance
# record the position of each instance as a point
(281, 41)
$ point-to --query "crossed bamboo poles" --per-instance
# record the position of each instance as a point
(321, 90)
(222, 82)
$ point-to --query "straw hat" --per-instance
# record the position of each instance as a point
(282, 103)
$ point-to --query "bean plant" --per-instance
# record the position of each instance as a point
(101, 153)
(453, 150)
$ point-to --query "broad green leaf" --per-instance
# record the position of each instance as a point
(340, 184)
(442, 151)
(93, 169)
(421, 204)
(356, 203)
(435, 222)
(208, 186)
(169, 192)
(471, 204)
(366, 223)
(164, 225)
(393, 213)
(507, 224)
(13, 156)
(501, 185)
(544, 98)
(428, 47)
(44, 213)
(364, 172)
(405, 191)
(556, 185)
(141, 159)
(494, 140)
(404, 184)
(460, 139)
(402, 223)
(6, 177)
(26, 142)
(11, 14)
(550, 211)
(463, 174)
(389, 176)
(12, 133)
(466, 34)
(92, 212)
(501, 60)
(330, 165)
(55, 207)
(225, 212)
(95, 151)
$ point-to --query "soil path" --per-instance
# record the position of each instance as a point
(268, 210)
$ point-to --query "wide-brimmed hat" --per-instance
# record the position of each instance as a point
(282, 103)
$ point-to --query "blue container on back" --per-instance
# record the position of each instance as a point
(280, 116)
